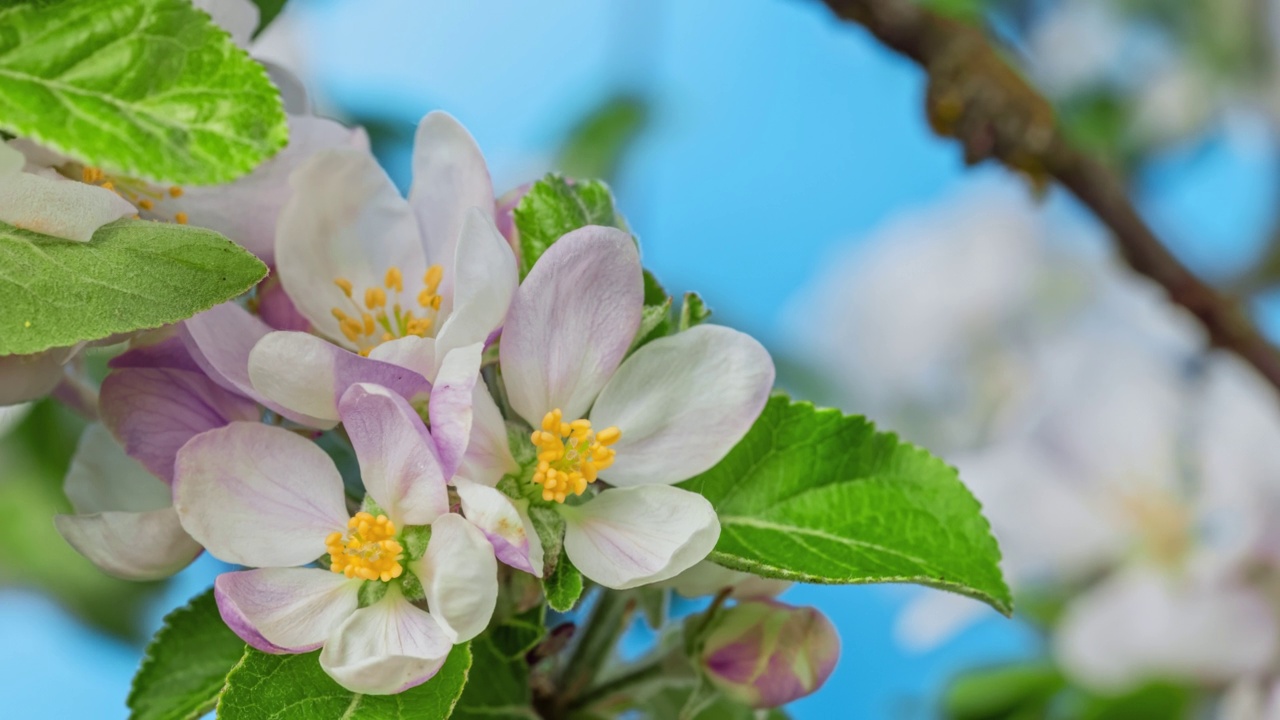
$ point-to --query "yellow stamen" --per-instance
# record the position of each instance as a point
(180, 218)
(375, 298)
(344, 284)
(146, 204)
(382, 317)
(394, 280)
(570, 455)
(175, 191)
(369, 550)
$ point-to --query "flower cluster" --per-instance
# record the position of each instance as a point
(473, 402)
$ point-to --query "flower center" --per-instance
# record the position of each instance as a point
(368, 551)
(372, 324)
(570, 455)
(140, 193)
(1164, 524)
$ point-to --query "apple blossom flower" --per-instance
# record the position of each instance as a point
(124, 520)
(766, 654)
(671, 410)
(266, 498)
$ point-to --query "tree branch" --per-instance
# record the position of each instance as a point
(975, 97)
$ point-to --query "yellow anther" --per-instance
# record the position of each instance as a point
(375, 298)
(91, 174)
(180, 218)
(570, 455)
(432, 277)
(368, 550)
(108, 185)
(351, 328)
(146, 204)
(344, 284)
(394, 281)
(175, 191)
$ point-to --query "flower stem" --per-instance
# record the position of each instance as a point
(599, 634)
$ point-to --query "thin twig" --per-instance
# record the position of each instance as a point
(977, 98)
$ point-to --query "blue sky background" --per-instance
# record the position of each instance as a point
(778, 135)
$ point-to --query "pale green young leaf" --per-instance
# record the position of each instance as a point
(498, 686)
(693, 311)
(186, 664)
(149, 88)
(817, 496)
(563, 587)
(133, 275)
(553, 207)
(289, 687)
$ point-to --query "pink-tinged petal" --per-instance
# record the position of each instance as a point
(505, 522)
(169, 352)
(628, 537)
(50, 204)
(344, 220)
(413, 353)
(460, 576)
(571, 322)
(154, 412)
(504, 215)
(277, 310)
(258, 495)
(765, 654)
(485, 278)
(682, 402)
(308, 375)
(220, 340)
(488, 455)
(30, 377)
(396, 455)
(450, 408)
(386, 648)
(103, 478)
(131, 545)
(285, 610)
(246, 211)
(449, 178)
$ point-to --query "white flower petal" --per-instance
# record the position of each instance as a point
(258, 495)
(53, 205)
(460, 576)
(131, 545)
(449, 178)
(30, 377)
(682, 402)
(285, 610)
(571, 323)
(505, 522)
(628, 537)
(307, 375)
(707, 578)
(485, 278)
(345, 220)
(396, 455)
(386, 648)
(450, 408)
(413, 353)
(488, 455)
(103, 478)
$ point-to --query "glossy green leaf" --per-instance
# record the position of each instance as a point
(563, 587)
(597, 145)
(817, 496)
(285, 687)
(148, 88)
(186, 664)
(133, 275)
(498, 686)
(553, 207)
(518, 634)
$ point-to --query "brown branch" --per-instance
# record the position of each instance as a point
(977, 98)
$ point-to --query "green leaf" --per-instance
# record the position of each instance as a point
(693, 311)
(816, 496)
(267, 11)
(596, 146)
(186, 664)
(563, 586)
(498, 686)
(655, 322)
(148, 88)
(553, 207)
(1006, 691)
(282, 687)
(133, 275)
(519, 634)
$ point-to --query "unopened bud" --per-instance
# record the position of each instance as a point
(766, 654)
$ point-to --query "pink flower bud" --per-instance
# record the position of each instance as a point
(765, 654)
